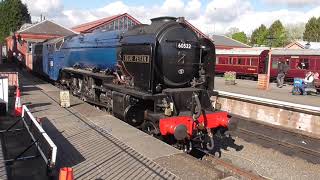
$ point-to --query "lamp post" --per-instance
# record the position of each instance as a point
(270, 39)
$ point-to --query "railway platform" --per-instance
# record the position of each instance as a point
(99, 146)
(276, 106)
(249, 87)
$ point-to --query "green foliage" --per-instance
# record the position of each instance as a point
(231, 31)
(295, 31)
(240, 36)
(278, 33)
(259, 36)
(13, 14)
(230, 76)
(312, 31)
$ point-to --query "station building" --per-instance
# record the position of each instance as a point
(303, 45)
(21, 41)
(116, 22)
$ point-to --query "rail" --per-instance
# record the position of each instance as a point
(46, 147)
(271, 102)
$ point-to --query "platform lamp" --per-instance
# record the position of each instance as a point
(270, 39)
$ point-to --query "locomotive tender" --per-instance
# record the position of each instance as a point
(157, 77)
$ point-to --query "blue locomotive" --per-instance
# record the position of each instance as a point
(94, 50)
(157, 77)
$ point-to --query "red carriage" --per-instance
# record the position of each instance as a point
(250, 62)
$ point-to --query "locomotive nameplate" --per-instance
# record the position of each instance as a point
(136, 58)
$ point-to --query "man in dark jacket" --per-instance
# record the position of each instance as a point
(283, 68)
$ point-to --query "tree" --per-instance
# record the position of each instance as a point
(240, 36)
(278, 33)
(231, 31)
(295, 31)
(13, 14)
(312, 31)
(259, 36)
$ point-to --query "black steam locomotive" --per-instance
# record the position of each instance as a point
(157, 77)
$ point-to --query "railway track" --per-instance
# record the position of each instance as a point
(287, 142)
(227, 168)
(296, 147)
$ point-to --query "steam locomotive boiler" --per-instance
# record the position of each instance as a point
(157, 77)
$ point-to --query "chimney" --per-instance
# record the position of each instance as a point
(163, 19)
(181, 19)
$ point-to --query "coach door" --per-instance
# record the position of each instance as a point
(263, 64)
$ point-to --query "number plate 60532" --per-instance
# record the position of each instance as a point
(184, 46)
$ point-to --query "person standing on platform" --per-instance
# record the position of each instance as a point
(283, 68)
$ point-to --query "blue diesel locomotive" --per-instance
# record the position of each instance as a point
(157, 77)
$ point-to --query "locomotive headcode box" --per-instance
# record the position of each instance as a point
(64, 99)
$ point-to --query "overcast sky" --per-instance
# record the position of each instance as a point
(210, 16)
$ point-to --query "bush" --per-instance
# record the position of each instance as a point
(230, 76)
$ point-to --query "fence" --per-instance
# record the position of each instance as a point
(13, 78)
(43, 142)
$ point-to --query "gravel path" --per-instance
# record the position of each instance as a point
(270, 163)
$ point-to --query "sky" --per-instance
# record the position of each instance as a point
(210, 16)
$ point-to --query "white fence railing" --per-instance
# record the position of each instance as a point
(44, 144)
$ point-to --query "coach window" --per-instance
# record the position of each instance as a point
(275, 63)
(241, 61)
(223, 60)
(252, 61)
(303, 64)
(217, 60)
(230, 60)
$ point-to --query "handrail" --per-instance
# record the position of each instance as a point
(52, 160)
